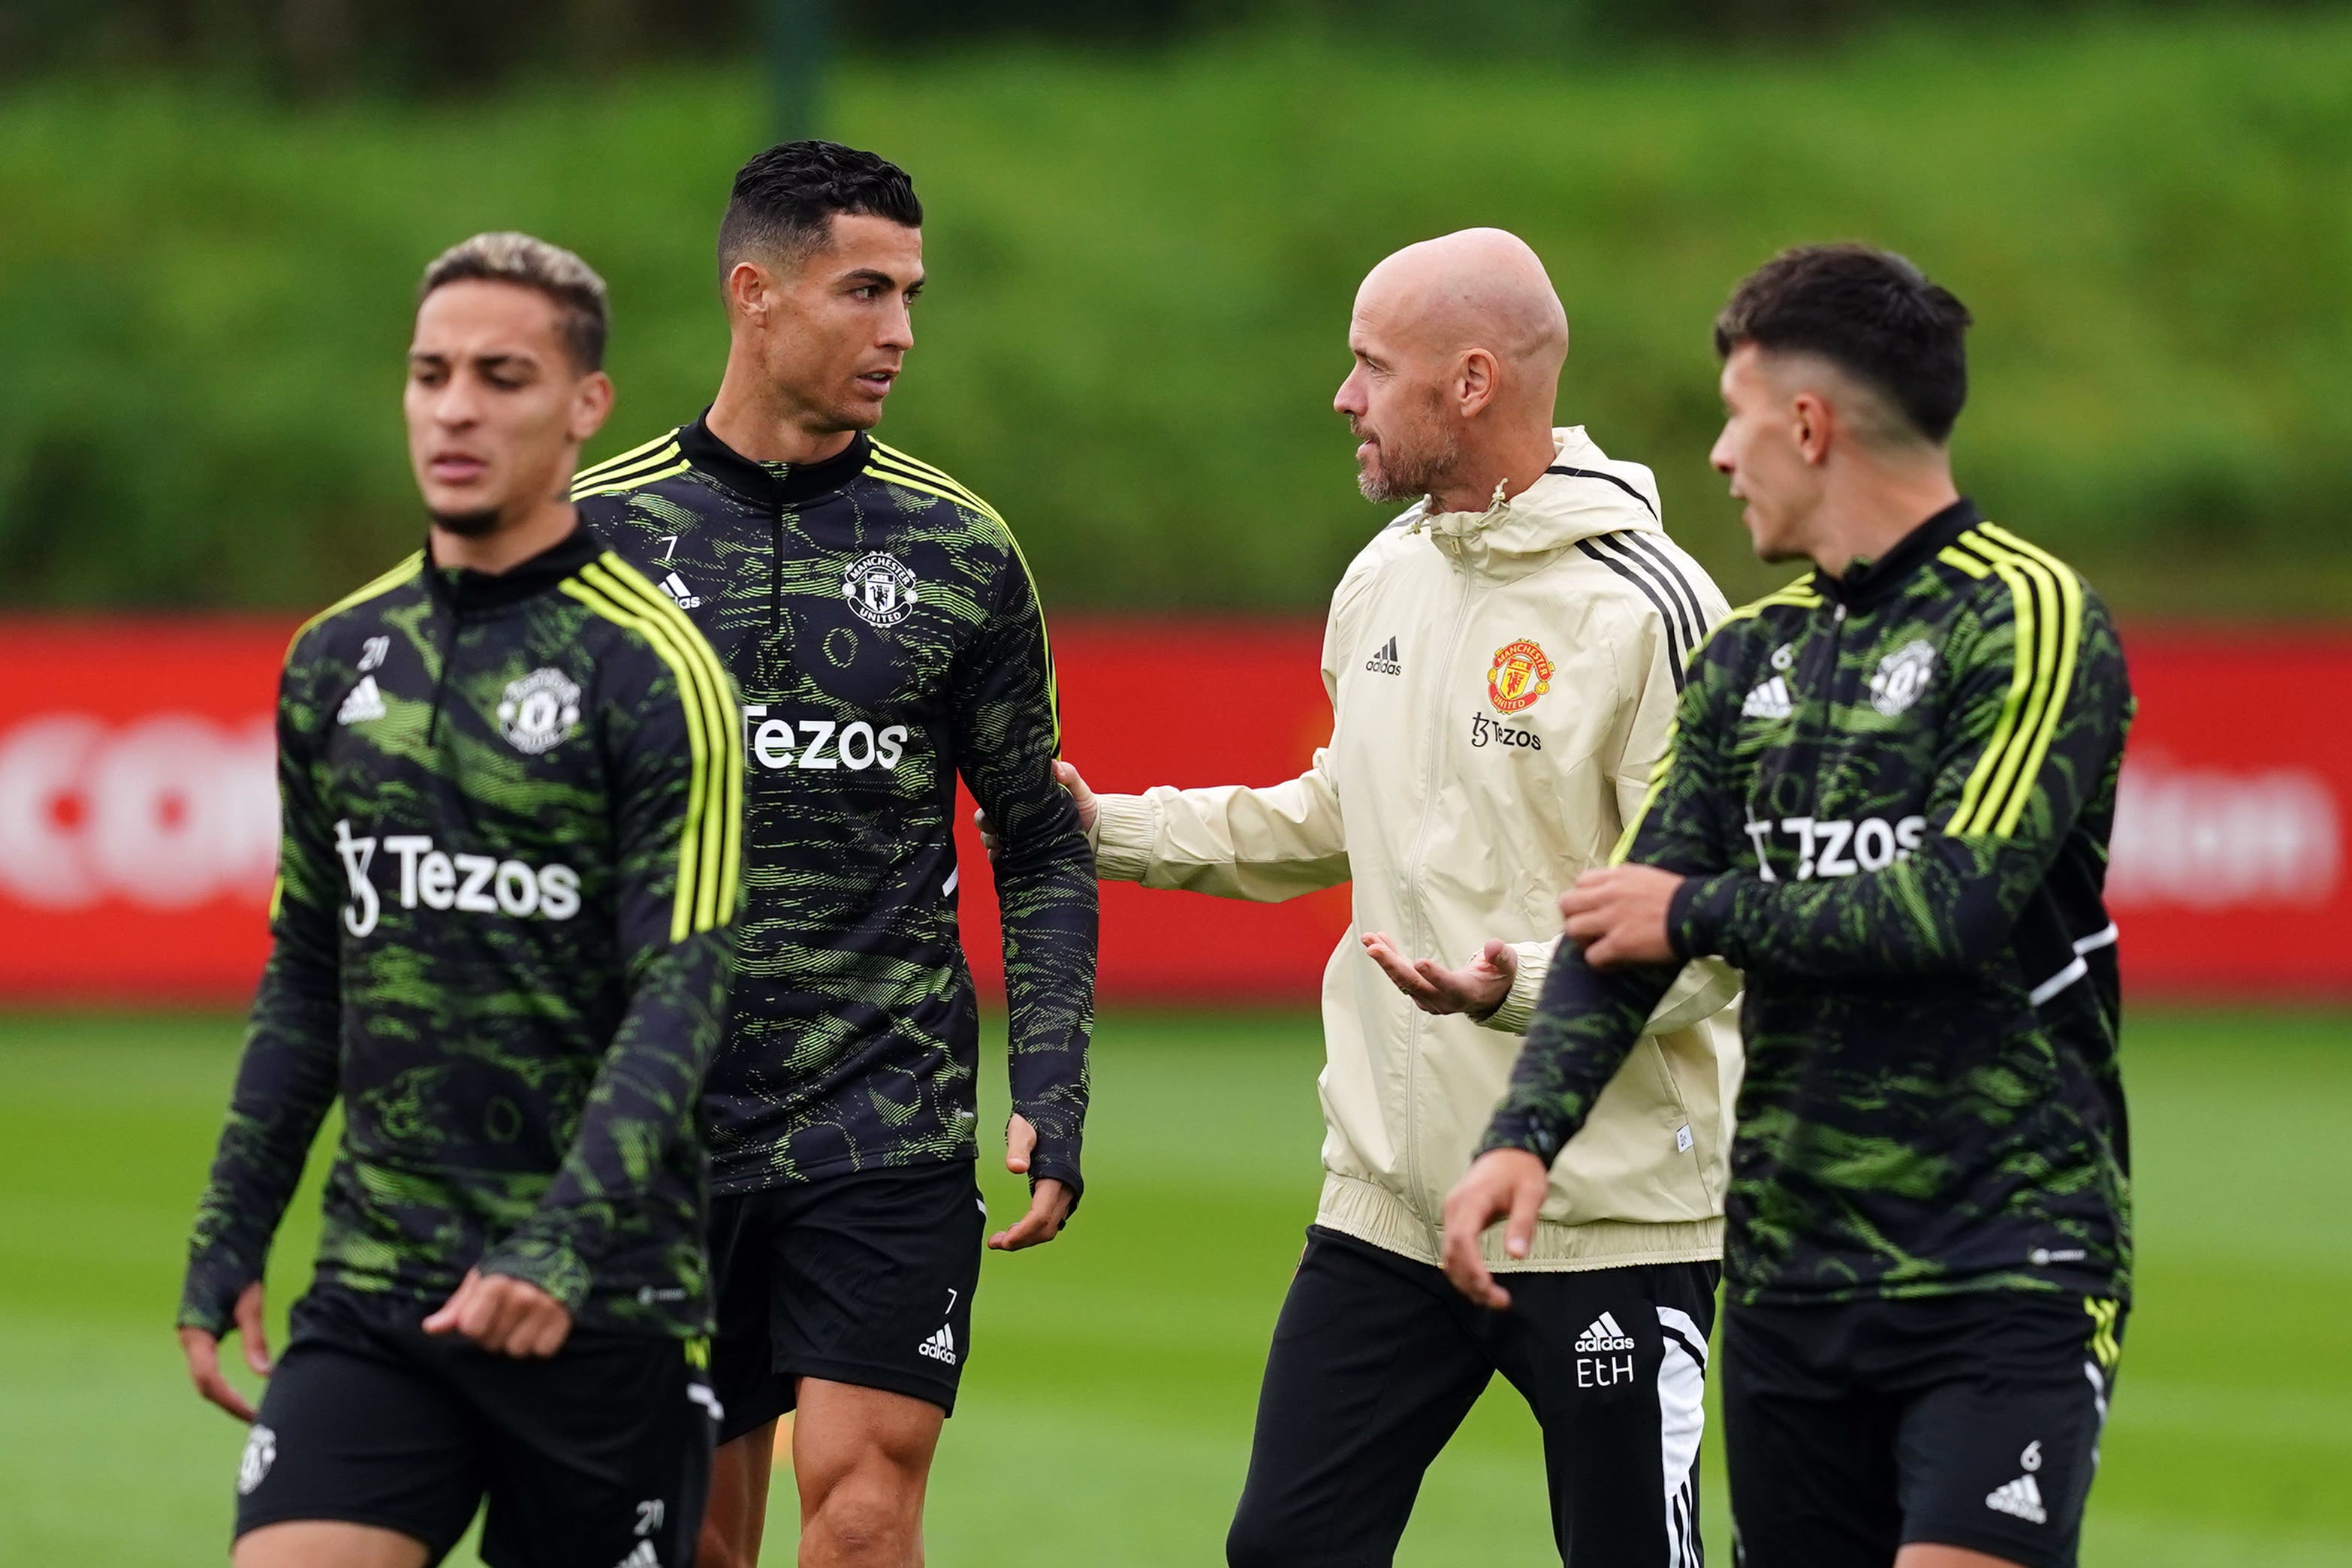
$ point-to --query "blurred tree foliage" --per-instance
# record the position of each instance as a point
(318, 49)
(1142, 267)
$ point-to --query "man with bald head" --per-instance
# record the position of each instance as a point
(1503, 662)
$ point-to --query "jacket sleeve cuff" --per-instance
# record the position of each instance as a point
(1125, 828)
(1694, 916)
(547, 1261)
(1528, 1129)
(1517, 1009)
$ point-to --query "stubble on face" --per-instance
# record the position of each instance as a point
(1412, 458)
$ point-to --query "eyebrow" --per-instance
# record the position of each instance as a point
(864, 276)
(481, 362)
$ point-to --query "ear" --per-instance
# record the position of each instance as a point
(592, 402)
(1812, 423)
(1476, 382)
(749, 289)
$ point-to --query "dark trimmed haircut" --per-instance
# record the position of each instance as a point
(785, 198)
(1868, 311)
(582, 316)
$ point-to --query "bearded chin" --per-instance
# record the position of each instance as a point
(1408, 476)
(466, 524)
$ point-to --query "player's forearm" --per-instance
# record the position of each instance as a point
(1946, 909)
(1585, 1023)
(286, 1081)
(1230, 840)
(1052, 925)
(642, 1106)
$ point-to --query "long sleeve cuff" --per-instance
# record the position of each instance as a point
(1517, 1008)
(1125, 827)
(1538, 1131)
(1694, 916)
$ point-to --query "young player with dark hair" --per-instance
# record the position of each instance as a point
(510, 774)
(1888, 803)
(888, 639)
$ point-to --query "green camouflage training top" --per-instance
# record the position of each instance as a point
(502, 933)
(882, 626)
(1891, 794)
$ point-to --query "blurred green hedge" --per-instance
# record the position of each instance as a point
(1141, 270)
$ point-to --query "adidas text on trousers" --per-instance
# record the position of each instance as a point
(1377, 1358)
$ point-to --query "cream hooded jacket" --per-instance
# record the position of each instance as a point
(1501, 684)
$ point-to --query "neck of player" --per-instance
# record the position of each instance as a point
(1516, 459)
(1868, 506)
(537, 529)
(758, 421)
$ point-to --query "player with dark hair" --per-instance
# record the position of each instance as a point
(1888, 803)
(888, 640)
(510, 774)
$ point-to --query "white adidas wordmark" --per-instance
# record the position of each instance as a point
(645, 1557)
(1603, 1334)
(684, 597)
(365, 703)
(2021, 1498)
(939, 1347)
(1770, 701)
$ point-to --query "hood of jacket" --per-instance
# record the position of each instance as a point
(1573, 501)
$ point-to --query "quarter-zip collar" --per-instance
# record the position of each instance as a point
(1865, 583)
(772, 487)
(461, 592)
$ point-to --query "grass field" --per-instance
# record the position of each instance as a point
(1110, 1398)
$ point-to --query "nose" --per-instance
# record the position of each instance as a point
(897, 327)
(1719, 458)
(1349, 398)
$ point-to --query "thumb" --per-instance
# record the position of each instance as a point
(1019, 1142)
(1068, 776)
(252, 1329)
(1526, 1197)
(1501, 957)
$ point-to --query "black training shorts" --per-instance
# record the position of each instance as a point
(863, 1280)
(599, 1455)
(1970, 1421)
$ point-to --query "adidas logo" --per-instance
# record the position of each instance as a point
(2021, 1498)
(1770, 701)
(684, 597)
(645, 1557)
(1602, 1334)
(1384, 659)
(939, 1347)
(365, 702)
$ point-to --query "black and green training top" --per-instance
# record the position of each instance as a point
(886, 637)
(1891, 793)
(502, 934)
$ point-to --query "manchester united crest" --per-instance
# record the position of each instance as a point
(1519, 675)
(538, 711)
(880, 587)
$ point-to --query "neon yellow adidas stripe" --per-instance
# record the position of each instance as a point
(408, 569)
(2067, 636)
(615, 464)
(723, 829)
(631, 481)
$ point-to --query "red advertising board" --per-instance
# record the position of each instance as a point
(137, 812)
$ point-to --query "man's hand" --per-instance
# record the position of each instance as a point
(504, 1315)
(1502, 1183)
(1049, 1201)
(1476, 988)
(1618, 915)
(203, 1351)
(1067, 777)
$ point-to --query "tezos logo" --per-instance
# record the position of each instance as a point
(880, 587)
(1827, 846)
(475, 884)
(538, 711)
(1484, 731)
(1519, 675)
(820, 743)
(1902, 677)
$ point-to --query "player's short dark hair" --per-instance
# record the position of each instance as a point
(581, 317)
(785, 198)
(1870, 314)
